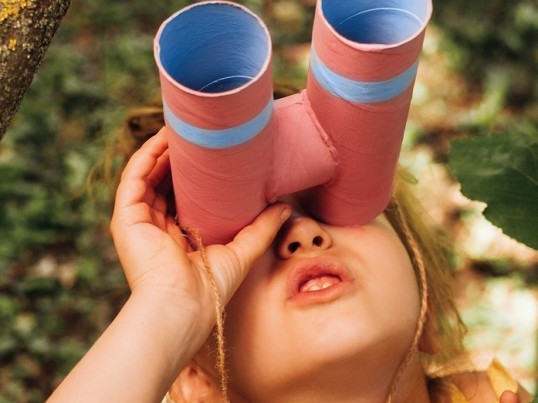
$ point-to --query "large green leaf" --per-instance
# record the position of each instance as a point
(502, 171)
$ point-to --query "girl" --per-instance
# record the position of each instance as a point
(314, 313)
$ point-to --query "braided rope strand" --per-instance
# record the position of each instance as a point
(417, 258)
(219, 311)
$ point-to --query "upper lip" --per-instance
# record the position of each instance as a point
(314, 267)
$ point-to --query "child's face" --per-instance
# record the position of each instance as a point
(327, 303)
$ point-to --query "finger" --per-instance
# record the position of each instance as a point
(509, 397)
(250, 244)
(160, 170)
(160, 204)
(177, 235)
(165, 185)
(133, 186)
(143, 161)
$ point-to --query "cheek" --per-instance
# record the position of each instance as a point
(262, 337)
(252, 323)
(386, 273)
(251, 330)
(402, 299)
(251, 296)
(397, 287)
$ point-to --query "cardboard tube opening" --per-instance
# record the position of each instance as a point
(382, 22)
(213, 47)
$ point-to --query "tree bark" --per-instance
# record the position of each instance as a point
(26, 31)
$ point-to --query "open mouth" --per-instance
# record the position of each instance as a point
(318, 280)
(318, 283)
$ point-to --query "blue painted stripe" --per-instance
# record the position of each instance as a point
(219, 139)
(367, 92)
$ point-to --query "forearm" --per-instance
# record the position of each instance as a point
(139, 355)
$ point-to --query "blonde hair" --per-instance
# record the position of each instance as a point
(425, 244)
(140, 124)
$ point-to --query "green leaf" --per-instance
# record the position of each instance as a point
(502, 171)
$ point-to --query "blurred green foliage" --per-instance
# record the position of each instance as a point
(60, 282)
(502, 171)
(494, 45)
(492, 40)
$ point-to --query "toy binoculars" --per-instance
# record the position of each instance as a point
(234, 150)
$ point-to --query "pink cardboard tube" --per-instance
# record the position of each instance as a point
(364, 58)
(233, 150)
(214, 64)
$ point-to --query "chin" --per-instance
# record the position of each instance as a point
(349, 365)
(343, 367)
(347, 349)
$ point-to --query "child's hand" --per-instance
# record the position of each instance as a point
(171, 310)
(155, 255)
(510, 397)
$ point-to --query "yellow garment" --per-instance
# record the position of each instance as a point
(456, 396)
(499, 378)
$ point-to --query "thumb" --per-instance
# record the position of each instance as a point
(247, 246)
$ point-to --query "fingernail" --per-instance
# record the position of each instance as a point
(285, 214)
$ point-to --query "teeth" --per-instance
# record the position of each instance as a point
(315, 285)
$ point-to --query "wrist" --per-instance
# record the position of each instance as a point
(152, 338)
(179, 323)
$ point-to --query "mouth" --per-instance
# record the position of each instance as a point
(318, 280)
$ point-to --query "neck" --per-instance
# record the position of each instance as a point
(343, 385)
(412, 386)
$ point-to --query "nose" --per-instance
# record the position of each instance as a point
(301, 236)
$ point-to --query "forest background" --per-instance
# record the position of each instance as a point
(60, 281)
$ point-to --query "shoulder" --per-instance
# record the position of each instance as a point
(487, 386)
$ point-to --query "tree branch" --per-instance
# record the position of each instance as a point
(26, 31)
